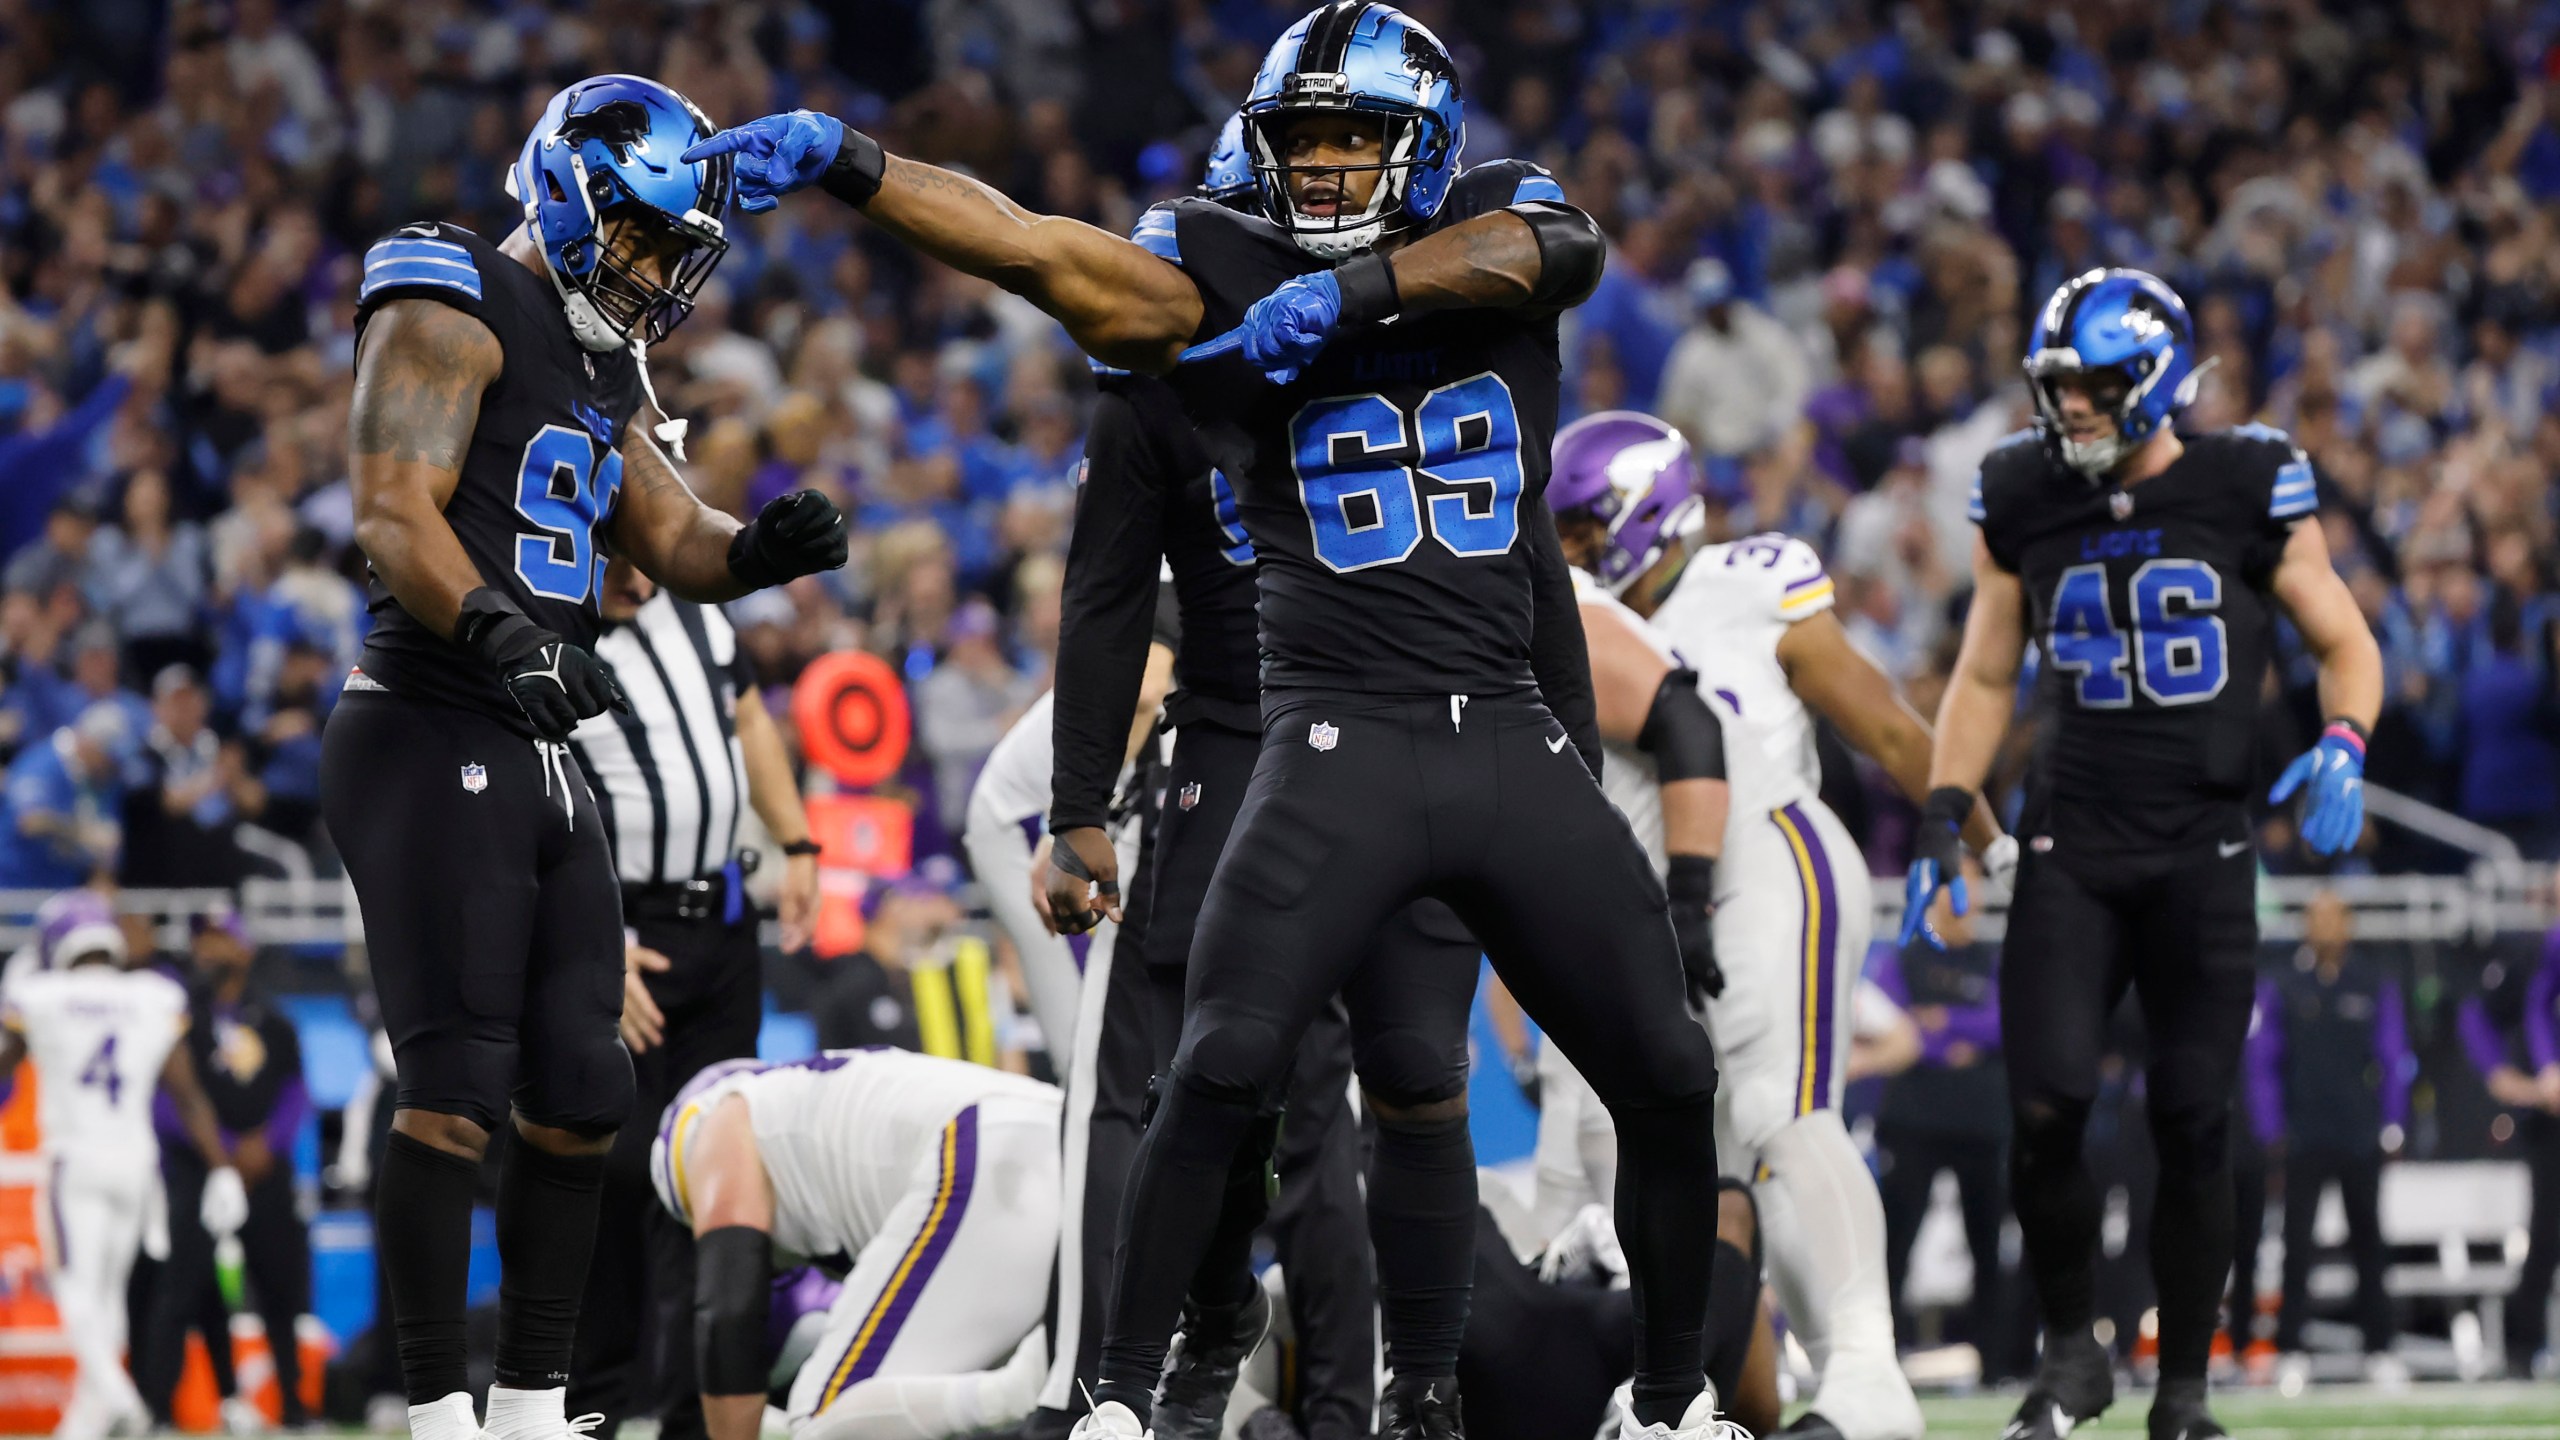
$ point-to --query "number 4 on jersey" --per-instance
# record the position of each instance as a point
(101, 1071)
(1364, 509)
(2175, 644)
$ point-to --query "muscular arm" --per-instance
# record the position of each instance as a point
(1863, 703)
(2332, 627)
(1114, 553)
(420, 372)
(1123, 306)
(1626, 673)
(195, 1108)
(1496, 260)
(665, 528)
(729, 1191)
(1981, 692)
(1558, 653)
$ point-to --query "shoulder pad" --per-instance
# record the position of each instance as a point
(2018, 455)
(2262, 454)
(1498, 183)
(429, 257)
(1771, 576)
(1158, 233)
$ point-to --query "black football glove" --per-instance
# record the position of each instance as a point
(555, 683)
(799, 534)
(1692, 883)
(1937, 863)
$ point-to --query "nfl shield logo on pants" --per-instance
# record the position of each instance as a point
(1190, 795)
(1322, 735)
(475, 778)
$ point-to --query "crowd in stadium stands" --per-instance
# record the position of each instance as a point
(1829, 225)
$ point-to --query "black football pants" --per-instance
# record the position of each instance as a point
(2185, 941)
(1358, 806)
(634, 1352)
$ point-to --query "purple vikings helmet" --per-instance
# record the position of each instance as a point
(666, 1153)
(1632, 473)
(73, 924)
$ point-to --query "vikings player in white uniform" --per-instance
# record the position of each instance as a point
(932, 1183)
(104, 1039)
(1793, 909)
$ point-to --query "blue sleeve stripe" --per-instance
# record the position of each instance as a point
(1538, 187)
(383, 277)
(1157, 234)
(2295, 492)
(2286, 507)
(1973, 503)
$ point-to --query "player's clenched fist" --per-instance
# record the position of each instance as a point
(554, 682)
(799, 534)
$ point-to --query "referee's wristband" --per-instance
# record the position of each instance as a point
(804, 846)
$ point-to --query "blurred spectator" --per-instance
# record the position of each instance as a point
(2329, 1073)
(148, 578)
(868, 997)
(179, 822)
(58, 812)
(251, 1059)
(1736, 377)
(967, 702)
(2511, 1032)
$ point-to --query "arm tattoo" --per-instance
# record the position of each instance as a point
(418, 384)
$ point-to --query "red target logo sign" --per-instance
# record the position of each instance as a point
(851, 708)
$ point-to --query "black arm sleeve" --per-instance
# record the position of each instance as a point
(1681, 731)
(1571, 253)
(1108, 613)
(1558, 654)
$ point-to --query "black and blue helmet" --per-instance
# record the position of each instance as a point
(1363, 58)
(607, 148)
(2126, 335)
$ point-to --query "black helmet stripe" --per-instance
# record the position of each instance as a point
(1329, 37)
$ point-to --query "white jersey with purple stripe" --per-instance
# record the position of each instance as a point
(841, 1135)
(98, 1035)
(1725, 615)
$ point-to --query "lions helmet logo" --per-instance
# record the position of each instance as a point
(1427, 62)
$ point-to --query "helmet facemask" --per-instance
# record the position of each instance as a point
(2114, 391)
(1406, 142)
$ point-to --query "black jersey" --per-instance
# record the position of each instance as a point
(2151, 610)
(1147, 494)
(542, 474)
(1387, 489)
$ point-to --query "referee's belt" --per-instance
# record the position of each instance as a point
(719, 897)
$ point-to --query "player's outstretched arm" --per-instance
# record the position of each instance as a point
(1858, 698)
(1124, 306)
(732, 1204)
(420, 373)
(2331, 773)
(703, 555)
(1646, 703)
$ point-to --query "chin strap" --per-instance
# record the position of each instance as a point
(670, 430)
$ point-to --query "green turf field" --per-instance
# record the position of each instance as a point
(2425, 1412)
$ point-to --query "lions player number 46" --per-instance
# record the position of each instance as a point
(1365, 509)
(2174, 644)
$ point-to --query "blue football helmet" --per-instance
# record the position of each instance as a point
(606, 149)
(1230, 175)
(2126, 336)
(1367, 59)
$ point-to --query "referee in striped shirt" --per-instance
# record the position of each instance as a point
(672, 779)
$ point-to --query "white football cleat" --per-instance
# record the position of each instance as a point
(1110, 1420)
(1698, 1422)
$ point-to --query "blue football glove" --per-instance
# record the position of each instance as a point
(1936, 862)
(1286, 329)
(2333, 771)
(776, 155)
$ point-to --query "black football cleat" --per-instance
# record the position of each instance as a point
(2075, 1385)
(2178, 1413)
(1809, 1426)
(1427, 1411)
(1209, 1350)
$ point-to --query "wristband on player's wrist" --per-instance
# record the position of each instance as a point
(1691, 879)
(854, 175)
(1948, 805)
(484, 617)
(1368, 285)
(2346, 726)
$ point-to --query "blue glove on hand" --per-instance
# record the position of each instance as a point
(1936, 861)
(2333, 815)
(1286, 329)
(776, 155)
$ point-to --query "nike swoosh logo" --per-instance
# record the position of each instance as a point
(2230, 848)
(1556, 746)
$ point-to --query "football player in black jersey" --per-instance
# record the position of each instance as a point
(2148, 566)
(1381, 388)
(500, 438)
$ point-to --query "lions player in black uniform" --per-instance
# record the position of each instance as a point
(500, 435)
(2149, 567)
(1383, 407)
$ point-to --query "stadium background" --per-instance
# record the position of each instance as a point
(2358, 201)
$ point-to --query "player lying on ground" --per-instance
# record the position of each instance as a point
(2150, 567)
(931, 1185)
(1425, 671)
(501, 437)
(105, 1040)
(1790, 903)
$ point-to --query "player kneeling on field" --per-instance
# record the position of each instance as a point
(930, 1185)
